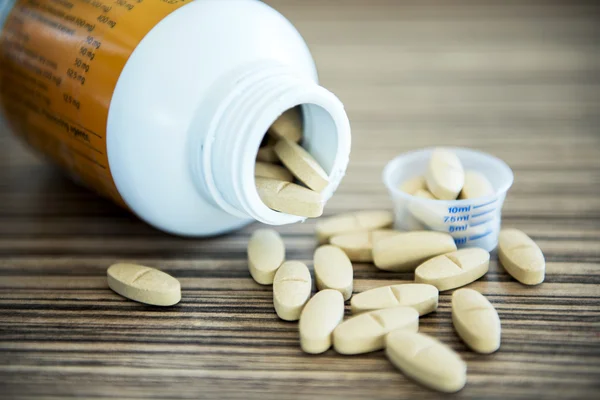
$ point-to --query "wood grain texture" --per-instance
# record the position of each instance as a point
(518, 79)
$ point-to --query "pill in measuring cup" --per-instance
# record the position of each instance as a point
(289, 198)
(366, 332)
(266, 253)
(358, 246)
(273, 171)
(320, 316)
(144, 284)
(267, 154)
(420, 296)
(405, 251)
(476, 321)
(301, 164)
(413, 185)
(476, 185)
(291, 290)
(424, 194)
(445, 175)
(333, 270)
(521, 257)
(432, 214)
(426, 360)
(358, 221)
(288, 125)
(452, 270)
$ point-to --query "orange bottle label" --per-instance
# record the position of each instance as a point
(59, 64)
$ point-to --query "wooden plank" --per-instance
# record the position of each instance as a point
(518, 79)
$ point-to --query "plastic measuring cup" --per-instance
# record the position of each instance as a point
(472, 222)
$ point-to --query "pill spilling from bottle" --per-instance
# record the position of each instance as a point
(288, 178)
(183, 153)
(92, 121)
(384, 317)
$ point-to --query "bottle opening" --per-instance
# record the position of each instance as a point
(314, 129)
(312, 124)
(248, 115)
(320, 136)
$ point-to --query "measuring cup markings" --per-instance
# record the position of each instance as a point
(485, 204)
(456, 210)
(457, 228)
(452, 218)
(482, 235)
(471, 222)
(464, 239)
(483, 213)
(474, 224)
(460, 240)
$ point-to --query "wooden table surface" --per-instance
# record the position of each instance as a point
(518, 79)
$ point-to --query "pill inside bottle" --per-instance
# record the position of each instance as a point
(295, 178)
(123, 106)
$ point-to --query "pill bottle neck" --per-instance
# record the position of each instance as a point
(256, 99)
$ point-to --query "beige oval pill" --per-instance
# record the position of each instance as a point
(323, 312)
(144, 284)
(455, 269)
(476, 321)
(405, 251)
(476, 185)
(445, 176)
(359, 221)
(366, 332)
(429, 213)
(521, 257)
(413, 185)
(358, 246)
(333, 270)
(380, 234)
(420, 296)
(288, 125)
(301, 164)
(425, 194)
(291, 290)
(408, 223)
(426, 360)
(266, 253)
(267, 154)
(268, 170)
(289, 198)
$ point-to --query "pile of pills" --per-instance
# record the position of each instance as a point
(388, 317)
(446, 179)
(295, 186)
(385, 317)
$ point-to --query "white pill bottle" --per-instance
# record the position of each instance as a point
(161, 105)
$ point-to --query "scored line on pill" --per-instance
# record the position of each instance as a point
(454, 259)
(378, 320)
(140, 274)
(291, 279)
(483, 213)
(476, 308)
(396, 295)
(486, 204)
(422, 350)
(521, 246)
